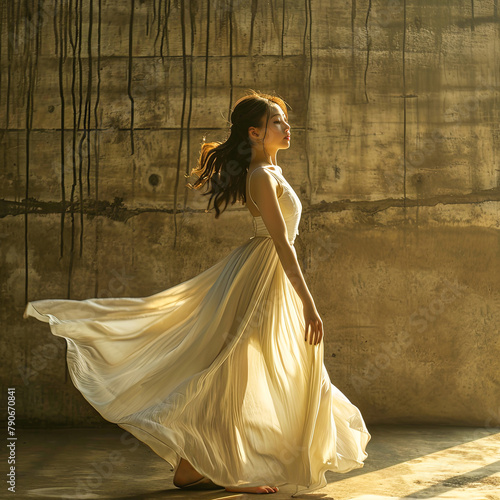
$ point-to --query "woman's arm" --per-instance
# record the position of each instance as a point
(266, 199)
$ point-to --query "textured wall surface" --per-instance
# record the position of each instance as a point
(395, 125)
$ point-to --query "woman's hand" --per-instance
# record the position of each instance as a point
(314, 324)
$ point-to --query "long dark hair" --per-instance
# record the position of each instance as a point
(223, 166)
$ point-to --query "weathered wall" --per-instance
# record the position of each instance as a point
(395, 136)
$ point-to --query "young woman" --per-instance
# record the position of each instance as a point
(223, 375)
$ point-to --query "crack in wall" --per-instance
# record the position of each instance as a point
(117, 211)
(376, 206)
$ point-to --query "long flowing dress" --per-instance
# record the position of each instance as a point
(216, 370)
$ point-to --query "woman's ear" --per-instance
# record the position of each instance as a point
(255, 133)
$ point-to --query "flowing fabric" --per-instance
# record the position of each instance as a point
(216, 370)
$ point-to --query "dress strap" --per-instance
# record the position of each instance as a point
(249, 185)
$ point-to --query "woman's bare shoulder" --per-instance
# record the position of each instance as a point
(262, 170)
(263, 176)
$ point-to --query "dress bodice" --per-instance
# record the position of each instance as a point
(289, 203)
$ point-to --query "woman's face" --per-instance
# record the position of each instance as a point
(277, 134)
(277, 130)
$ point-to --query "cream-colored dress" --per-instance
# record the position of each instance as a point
(216, 370)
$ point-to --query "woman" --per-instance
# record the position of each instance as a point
(223, 375)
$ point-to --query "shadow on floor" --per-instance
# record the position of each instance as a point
(404, 462)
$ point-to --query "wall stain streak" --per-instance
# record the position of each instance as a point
(158, 22)
(162, 25)
(39, 22)
(54, 26)
(27, 174)
(418, 195)
(353, 40)
(64, 21)
(32, 68)
(255, 6)
(59, 49)
(9, 67)
(274, 17)
(27, 45)
(1, 50)
(193, 8)
(404, 116)
(87, 114)
(283, 28)
(148, 13)
(97, 148)
(72, 42)
(168, 9)
(308, 25)
(88, 99)
(33, 74)
(67, 21)
(472, 28)
(80, 99)
(368, 47)
(181, 131)
(231, 85)
(207, 43)
(32, 77)
(130, 66)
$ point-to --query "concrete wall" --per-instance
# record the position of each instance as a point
(395, 156)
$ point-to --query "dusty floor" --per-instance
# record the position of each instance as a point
(404, 462)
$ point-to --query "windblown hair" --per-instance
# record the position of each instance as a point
(223, 166)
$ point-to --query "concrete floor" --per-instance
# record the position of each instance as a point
(404, 462)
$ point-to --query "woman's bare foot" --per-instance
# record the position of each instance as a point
(186, 474)
(254, 489)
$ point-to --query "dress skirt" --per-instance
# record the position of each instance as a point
(215, 370)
